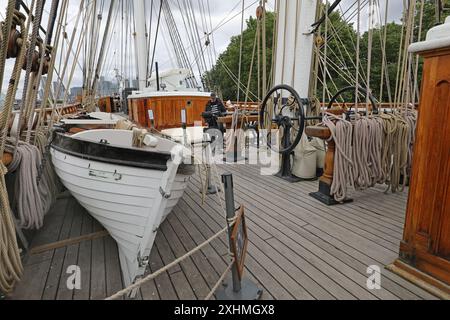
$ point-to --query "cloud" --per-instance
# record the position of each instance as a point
(213, 13)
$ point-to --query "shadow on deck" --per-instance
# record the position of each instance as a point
(299, 248)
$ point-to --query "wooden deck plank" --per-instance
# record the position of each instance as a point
(177, 276)
(200, 260)
(290, 268)
(299, 248)
(193, 275)
(336, 214)
(98, 269)
(84, 260)
(376, 245)
(71, 255)
(351, 210)
(281, 276)
(56, 268)
(164, 285)
(300, 292)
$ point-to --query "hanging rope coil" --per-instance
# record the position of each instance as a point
(10, 263)
(27, 197)
(341, 133)
(11, 268)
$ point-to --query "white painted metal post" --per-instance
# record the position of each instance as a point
(141, 42)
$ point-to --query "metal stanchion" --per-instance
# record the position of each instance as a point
(184, 126)
(212, 189)
(151, 116)
(239, 288)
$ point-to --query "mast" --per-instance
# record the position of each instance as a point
(140, 39)
(294, 54)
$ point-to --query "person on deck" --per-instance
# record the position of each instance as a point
(214, 109)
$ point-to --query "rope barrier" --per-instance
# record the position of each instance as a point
(219, 282)
(152, 276)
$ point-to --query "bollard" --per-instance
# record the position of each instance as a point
(184, 126)
(151, 116)
(240, 289)
(212, 189)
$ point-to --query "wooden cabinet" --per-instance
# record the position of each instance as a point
(426, 242)
(167, 110)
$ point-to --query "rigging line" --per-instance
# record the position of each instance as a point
(109, 64)
(69, 49)
(240, 49)
(149, 40)
(233, 77)
(335, 35)
(317, 24)
(358, 33)
(220, 25)
(29, 78)
(5, 28)
(102, 49)
(197, 33)
(189, 29)
(325, 86)
(369, 53)
(342, 59)
(196, 38)
(383, 52)
(416, 70)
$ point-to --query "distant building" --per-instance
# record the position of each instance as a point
(107, 88)
(75, 92)
(62, 90)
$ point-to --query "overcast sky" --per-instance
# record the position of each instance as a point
(223, 12)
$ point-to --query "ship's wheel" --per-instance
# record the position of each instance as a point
(347, 97)
(283, 110)
(282, 119)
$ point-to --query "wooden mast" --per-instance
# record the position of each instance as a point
(425, 249)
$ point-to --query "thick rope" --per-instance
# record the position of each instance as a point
(10, 262)
(11, 268)
(219, 282)
(26, 197)
(341, 133)
(152, 276)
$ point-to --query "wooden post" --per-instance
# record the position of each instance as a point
(325, 182)
(425, 249)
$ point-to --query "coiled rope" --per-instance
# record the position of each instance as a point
(341, 133)
(26, 197)
(371, 150)
(11, 268)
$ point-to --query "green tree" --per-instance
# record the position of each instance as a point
(229, 59)
(341, 54)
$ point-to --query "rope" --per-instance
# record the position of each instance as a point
(219, 282)
(152, 276)
(341, 133)
(27, 198)
(10, 263)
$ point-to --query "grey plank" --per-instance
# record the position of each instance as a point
(71, 255)
(84, 260)
(98, 269)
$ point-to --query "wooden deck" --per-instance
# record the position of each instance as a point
(299, 248)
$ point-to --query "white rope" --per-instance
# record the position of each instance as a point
(26, 196)
(341, 133)
(219, 282)
(152, 276)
